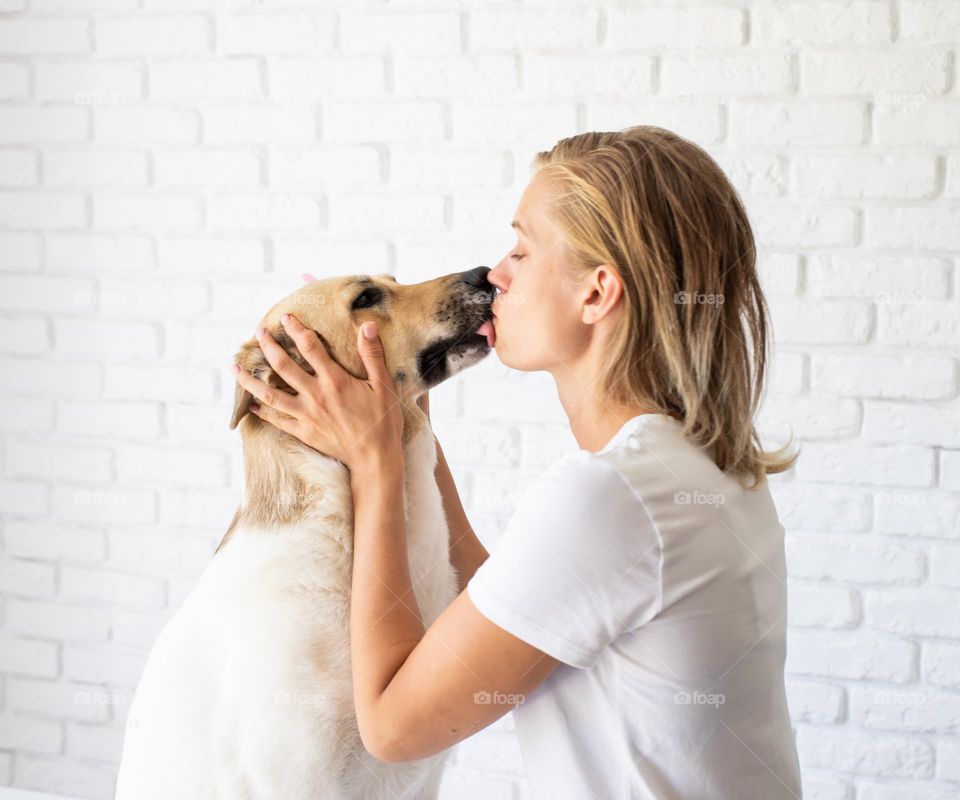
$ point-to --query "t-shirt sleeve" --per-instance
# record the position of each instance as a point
(577, 565)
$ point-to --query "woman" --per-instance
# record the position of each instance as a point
(633, 612)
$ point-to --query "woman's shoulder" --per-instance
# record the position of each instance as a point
(579, 484)
(637, 458)
(655, 457)
(583, 505)
(649, 461)
(581, 467)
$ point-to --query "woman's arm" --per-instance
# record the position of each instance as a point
(419, 692)
(467, 553)
(385, 621)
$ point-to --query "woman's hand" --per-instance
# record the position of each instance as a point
(355, 421)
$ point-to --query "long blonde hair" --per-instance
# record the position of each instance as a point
(694, 340)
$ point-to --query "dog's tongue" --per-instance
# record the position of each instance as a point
(488, 330)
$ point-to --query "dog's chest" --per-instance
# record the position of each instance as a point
(252, 675)
(309, 569)
(428, 547)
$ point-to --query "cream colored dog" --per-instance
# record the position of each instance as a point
(247, 694)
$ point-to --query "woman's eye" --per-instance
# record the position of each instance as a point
(366, 298)
(515, 257)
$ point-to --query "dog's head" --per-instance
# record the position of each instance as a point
(429, 330)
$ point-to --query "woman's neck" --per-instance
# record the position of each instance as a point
(592, 421)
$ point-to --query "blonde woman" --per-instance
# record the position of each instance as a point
(633, 611)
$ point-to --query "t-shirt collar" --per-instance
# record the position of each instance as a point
(626, 429)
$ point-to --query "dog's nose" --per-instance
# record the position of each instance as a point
(476, 277)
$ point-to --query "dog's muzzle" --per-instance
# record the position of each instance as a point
(473, 337)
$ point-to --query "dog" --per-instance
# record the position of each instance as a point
(247, 692)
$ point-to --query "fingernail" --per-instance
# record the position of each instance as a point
(236, 369)
(284, 318)
(370, 330)
(254, 408)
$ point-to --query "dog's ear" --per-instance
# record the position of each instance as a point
(251, 358)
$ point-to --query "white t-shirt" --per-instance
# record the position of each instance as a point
(660, 584)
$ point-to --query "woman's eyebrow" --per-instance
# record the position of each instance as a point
(516, 224)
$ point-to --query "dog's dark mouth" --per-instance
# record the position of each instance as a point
(469, 307)
(432, 362)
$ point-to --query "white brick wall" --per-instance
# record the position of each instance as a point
(168, 169)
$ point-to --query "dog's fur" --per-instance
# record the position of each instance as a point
(247, 693)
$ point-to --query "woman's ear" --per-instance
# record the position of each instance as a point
(603, 288)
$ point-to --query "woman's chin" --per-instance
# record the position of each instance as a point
(508, 359)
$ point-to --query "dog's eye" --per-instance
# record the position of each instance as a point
(366, 298)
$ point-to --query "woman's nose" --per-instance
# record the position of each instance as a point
(497, 276)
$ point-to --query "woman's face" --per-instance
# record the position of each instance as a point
(538, 311)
